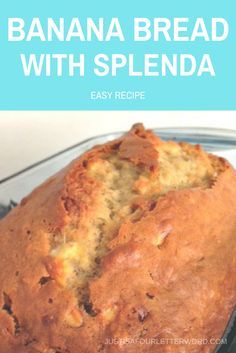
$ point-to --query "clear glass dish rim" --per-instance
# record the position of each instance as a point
(227, 136)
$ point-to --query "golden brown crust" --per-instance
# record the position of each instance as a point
(165, 271)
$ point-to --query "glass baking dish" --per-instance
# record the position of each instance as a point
(219, 141)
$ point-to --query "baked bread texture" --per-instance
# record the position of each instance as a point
(129, 249)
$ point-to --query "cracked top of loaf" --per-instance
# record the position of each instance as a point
(131, 248)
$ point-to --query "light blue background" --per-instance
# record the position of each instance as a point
(162, 93)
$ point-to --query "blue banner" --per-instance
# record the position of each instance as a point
(124, 55)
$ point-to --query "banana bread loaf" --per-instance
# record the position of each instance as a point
(129, 249)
